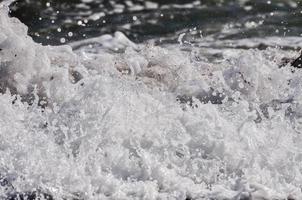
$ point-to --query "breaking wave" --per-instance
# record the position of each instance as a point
(105, 118)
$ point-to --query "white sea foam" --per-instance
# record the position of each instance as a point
(120, 133)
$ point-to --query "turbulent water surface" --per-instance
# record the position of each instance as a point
(150, 100)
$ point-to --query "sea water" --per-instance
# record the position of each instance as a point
(107, 118)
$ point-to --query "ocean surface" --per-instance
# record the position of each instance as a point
(49, 21)
(154, 100)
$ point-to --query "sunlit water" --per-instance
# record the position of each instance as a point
(196, 113)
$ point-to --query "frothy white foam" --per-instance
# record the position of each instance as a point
(120, 133)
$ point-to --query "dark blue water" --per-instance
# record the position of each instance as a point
(49, 21)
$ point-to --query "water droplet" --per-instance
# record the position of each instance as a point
(62, 40)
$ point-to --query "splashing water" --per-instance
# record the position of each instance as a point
(118, 120)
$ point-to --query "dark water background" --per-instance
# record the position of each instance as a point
(141, 20)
